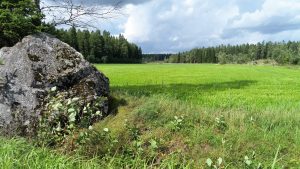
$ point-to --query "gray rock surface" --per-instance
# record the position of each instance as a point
(31, 68)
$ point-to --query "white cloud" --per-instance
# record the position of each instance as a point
(275, 20)
(278, 13)
(173, 25)
(138, 26)
(177, 25)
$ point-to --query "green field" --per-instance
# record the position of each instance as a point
(240, 87)
(248, 116)
(260, 104)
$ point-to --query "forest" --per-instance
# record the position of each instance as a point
(280, 52)
(100, 47)
(148, 58)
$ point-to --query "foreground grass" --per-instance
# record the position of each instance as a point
(17, 153)
(246, 115)
(203, 134)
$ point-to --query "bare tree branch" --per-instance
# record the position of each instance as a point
(67, 12)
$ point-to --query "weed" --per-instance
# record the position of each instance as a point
(221, 123)
(217, 165)
(177, 123)
(63, 117)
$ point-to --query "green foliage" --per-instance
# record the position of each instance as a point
(101, 47)
(217, 165)
(17, 153)
(62, 117)
(73, 38)
(97, 45)
(221, 124)
(134, 132)
(223, 58)
(251, 163)
(240, 58)
(147, 58)
(177, 123)
(283, 53)
(99, 143)
(18, 18)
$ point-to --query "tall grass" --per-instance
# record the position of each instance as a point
(17, 153)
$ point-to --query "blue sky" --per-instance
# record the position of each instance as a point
(160, 26)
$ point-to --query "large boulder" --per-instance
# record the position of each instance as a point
(31, 69)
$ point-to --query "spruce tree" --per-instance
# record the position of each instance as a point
(18, 18)
(73, 38)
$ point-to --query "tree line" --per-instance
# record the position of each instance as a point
(100, 47)
(147, 58)
(280, 52)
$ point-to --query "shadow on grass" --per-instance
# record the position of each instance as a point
(181, 91)
(114, 103)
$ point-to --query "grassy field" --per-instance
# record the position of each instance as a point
(186, 116)
(250, 88)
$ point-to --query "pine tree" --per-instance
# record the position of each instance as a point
(99, 48)
(73, 38)
(96, 46)
(18, 18)
(258, 51)
(86, 43)
(123, 47)
(107, 46)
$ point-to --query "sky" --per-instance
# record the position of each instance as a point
(170, 26)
